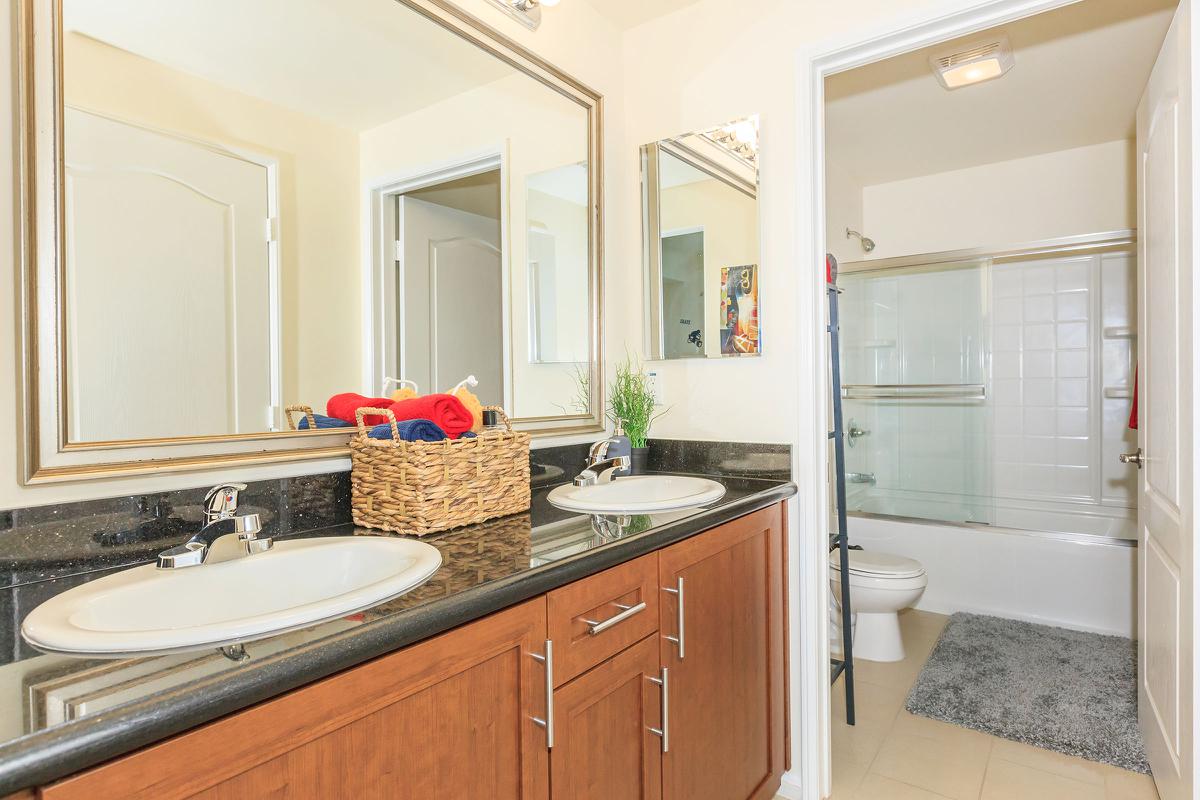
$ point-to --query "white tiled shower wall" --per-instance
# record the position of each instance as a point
(1051, 341)
(1062, 374)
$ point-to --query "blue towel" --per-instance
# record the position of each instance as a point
(411, 430)
(322, 422)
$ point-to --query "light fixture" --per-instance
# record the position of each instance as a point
(526, 12)
(740, 138)
(975, 62)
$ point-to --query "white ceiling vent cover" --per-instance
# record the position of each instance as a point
(975, 62)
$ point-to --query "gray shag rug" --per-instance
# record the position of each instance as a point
(1052, 688)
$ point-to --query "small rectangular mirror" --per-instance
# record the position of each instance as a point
(700, 242)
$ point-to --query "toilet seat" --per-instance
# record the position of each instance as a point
(873, 564)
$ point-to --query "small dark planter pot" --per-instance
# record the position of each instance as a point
(638, 461)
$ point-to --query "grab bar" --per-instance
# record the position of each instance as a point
(914, 391)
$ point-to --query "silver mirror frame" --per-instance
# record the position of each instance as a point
(46, 452)
(652, 295)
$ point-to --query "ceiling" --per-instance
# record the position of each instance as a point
(476, 194)
(1079, 74)
(626, 14)
(356, 63)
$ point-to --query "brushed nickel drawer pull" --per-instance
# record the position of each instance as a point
(665, 731)
(678, 592)
(597, 628)
(548, 722)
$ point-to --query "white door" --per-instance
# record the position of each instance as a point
(167, 283)
(453, 302)
(1166, 553)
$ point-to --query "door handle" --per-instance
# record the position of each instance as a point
(664, 732)
(678, 639)
(1135, 458)
(597, 628)
(548, 722)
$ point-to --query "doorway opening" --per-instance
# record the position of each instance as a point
(990, 347)
(443, 278)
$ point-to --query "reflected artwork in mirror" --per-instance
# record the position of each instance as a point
(700, 243)
(377, 191)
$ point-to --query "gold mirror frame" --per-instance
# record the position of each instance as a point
(46, 452)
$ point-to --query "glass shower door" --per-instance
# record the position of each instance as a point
(914, 373)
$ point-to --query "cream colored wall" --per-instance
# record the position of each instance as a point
(548, 132)
(318, 197)
(730, 222)
(843, 209)
(1078, 191)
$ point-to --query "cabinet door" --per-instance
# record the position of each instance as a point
(450, 717)
(722, 638)
(608, 733)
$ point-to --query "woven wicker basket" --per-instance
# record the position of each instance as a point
(425, 487)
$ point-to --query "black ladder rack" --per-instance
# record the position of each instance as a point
(843, 667)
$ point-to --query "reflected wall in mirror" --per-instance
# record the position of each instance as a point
(700, 242)
(374, 190)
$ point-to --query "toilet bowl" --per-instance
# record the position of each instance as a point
(881, 584)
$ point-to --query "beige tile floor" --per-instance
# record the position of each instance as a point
(893, 755)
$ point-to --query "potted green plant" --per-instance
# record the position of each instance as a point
(631, 407)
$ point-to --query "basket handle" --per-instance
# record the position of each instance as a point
(307, 411)
(387, 412)
(503, 416)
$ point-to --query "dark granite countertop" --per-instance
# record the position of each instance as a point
(59, 714)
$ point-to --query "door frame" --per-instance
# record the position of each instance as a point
(810, 776)
(382, 336)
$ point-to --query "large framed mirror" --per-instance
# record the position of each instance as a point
(232, 208)
(700, 243)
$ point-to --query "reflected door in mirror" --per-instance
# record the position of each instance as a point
(167, 284)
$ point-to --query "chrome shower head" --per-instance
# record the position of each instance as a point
(867, 244)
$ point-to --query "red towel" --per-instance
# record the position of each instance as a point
(444, 410)
(1133, 412)
(343, 406)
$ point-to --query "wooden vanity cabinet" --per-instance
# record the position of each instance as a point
(700, 664)
(723, 612)
(449, 717)
(605, 744)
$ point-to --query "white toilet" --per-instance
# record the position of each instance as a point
(880, 585)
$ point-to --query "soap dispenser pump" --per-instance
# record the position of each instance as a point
(619, 445)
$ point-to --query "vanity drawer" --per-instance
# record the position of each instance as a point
(600, 616)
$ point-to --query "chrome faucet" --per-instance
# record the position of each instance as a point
(220, 507)
(600, 467)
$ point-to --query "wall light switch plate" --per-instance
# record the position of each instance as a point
(655, 384)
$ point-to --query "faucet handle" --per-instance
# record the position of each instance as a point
(222, 501)
(599, 450)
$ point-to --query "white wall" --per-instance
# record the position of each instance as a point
(1078, 191)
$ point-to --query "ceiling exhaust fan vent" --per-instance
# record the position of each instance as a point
(978, 61)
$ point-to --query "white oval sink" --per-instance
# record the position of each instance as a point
(638, 494)
(151, 611)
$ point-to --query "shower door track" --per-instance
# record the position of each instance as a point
(1087, 243)
(1061, 536)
